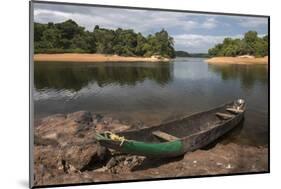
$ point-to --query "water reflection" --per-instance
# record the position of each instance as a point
(152, 93)
(247, 74)
(75, 77)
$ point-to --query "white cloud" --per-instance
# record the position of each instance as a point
(210, 23)
(198, 43)
(253, 22)
(44, 16)
(140, 20)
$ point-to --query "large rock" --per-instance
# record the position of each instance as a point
(67, 142)
(83, 117)
(77, 127)
(84, 157)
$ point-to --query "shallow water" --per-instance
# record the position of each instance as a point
(155, 92)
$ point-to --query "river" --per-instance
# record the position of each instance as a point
(154, 92)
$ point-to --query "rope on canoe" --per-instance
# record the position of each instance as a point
(115, 137)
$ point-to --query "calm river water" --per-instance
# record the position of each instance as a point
(155, 92)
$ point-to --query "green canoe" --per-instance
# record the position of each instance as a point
(176, 137)
(143, 148)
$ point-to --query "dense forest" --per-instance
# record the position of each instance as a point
(182, 54)
(69, 37)
(250, 44)
(187, 54)
(199, 55)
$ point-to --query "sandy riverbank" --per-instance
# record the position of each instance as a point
(238, 60)
(78, 57)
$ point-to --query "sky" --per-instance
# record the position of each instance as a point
(192, 32)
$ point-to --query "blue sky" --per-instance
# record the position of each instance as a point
(192, 32)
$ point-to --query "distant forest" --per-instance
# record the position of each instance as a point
(68, 36)
(251, 44)
(187, 54)
(182, 54)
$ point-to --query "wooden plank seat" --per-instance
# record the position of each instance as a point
(233, 110)
(164, 136)
(224, 115)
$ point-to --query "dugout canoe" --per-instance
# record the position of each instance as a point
(177, 137)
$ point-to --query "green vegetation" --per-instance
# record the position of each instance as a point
(187, 54)
(182, 54)
(199, 55)
(251, 44)
(68, 36)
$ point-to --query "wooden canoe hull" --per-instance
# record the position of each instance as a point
(204, 138)
(194, 132)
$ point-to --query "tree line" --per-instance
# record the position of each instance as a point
(68, 36)
(250, 44)
(187, 54)
(182, 54)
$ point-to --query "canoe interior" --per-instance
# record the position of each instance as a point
(181, 128)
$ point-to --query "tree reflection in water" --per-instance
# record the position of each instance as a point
(247, 74)
(62, 76)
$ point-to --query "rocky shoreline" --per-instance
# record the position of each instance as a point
(65, 151)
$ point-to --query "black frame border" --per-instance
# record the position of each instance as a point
(31, 80)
